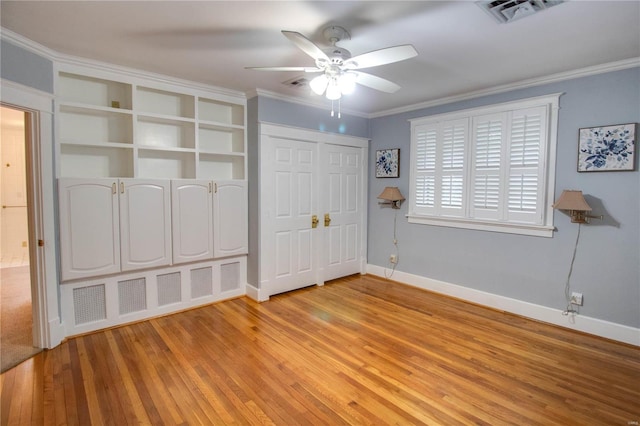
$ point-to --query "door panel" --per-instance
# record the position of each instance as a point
(89, 227)
(230, 217)
(290, 252)
(145, 223)
(192, 220)
(342, 170)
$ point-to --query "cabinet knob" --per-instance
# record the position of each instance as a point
(40, 243)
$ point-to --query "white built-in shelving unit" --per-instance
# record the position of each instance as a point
(152, 195)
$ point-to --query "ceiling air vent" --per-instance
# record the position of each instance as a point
(297, 83)
(505, 11)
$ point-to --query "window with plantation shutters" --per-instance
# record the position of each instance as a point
(486, 168)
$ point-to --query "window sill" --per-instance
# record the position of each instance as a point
(508, 228)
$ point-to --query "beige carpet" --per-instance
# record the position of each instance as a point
(16, 338)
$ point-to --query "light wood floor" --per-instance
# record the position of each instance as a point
(360, 350)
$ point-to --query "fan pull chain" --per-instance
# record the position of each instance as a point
(332, 107)
(339, 105)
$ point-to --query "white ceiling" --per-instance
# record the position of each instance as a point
(461, 48)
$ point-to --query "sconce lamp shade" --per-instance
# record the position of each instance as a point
(393, 195)
(573, 202)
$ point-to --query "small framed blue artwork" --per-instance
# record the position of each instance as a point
(607, 148)
(388, 163)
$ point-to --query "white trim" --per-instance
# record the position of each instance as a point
(595, 326)
(256, 294)
(39, 49)
(538, 81)
(47, 322)
(508, 228)
(298, 133)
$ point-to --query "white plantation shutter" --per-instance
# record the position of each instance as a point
(487, 148)
(453, 137)
(424, 149)
(525, 178)
(486, 168)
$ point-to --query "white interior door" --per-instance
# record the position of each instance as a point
(290, 202)
(342, 193)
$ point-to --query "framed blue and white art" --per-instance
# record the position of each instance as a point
(607, 148)
(388, 163)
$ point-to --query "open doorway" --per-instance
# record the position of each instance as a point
(16, 307)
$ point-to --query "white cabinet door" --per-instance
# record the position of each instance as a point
(289, 246)
(145, 223)
(89, 227)
(230, 218)
(342, 192)
(192, 220)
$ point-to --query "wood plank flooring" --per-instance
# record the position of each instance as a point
(360, 350)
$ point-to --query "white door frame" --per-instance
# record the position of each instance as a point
(47, 328)
(268, 130)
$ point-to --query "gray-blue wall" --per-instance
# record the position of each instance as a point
(280, 112)
(532, 269)
(26, 68)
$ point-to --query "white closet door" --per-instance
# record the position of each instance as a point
(145, 223)
(192, 221)
(289, 197)
(89, 227)
(230, 218)
(342, 193)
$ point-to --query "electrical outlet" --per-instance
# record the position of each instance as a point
(576, 299)
(393, 259)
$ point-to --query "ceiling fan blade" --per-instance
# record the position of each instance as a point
(381, 57)
(306, 45)
(304, 69)
(377, 83)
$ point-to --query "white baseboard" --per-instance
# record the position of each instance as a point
(254, 293)
(609, 330)
(56, 333)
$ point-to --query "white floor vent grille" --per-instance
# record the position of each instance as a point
(201, 282)
(89, 304)
(132, 295)
(229, 276)
(169, 289)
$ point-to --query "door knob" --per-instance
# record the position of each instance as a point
(314, 221)
(327, 219)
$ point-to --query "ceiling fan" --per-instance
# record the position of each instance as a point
(340, 71)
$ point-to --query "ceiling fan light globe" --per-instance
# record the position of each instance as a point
(347, 83)
(319, 84)
(333, 91)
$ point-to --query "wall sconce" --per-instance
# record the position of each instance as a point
(573, 202)
(391, 195)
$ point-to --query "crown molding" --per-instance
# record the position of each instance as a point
(60, 58)
(56, 57)
(27, 44)
(553, 78)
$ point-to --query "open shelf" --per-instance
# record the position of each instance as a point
(146, 129)
(166, 164)
(159, 132)
(221, 167)
(216, 139)
(220, 112)
(95, 161)
(89, 126)
(165, 103)
(94, 91)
